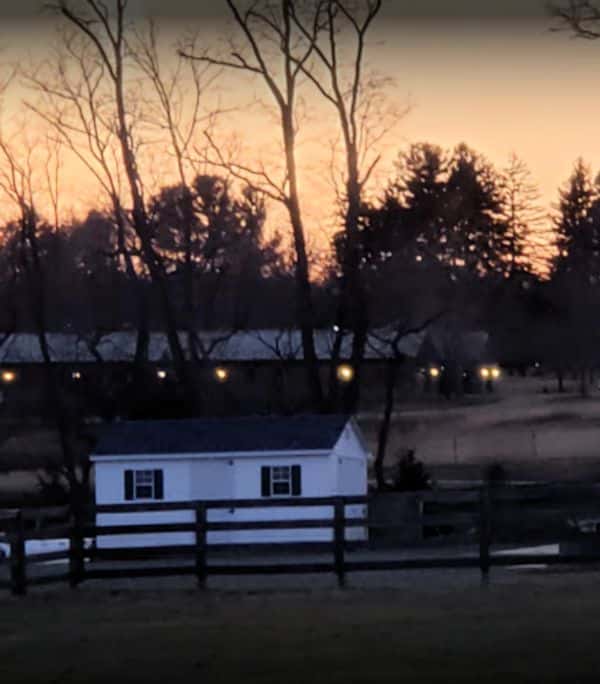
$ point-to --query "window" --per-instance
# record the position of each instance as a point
(281, 480)
(143, 485)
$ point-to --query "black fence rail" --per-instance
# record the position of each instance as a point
(513, 515)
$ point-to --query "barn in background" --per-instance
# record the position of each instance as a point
(231, 459)
(239, 373)
(243, 372)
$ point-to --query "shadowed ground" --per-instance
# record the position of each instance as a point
(433, 627)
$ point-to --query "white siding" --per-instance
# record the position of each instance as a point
(212, 479)
(318, 480)
(351, 460)
(110, 490)
(343, 472)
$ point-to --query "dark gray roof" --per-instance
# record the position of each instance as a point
(250, 345)
(257, 433)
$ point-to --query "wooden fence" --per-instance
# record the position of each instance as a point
(511, 515)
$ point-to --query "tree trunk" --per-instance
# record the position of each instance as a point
(304, 303)
(188, 276)
(141, 225)
(143, 333)
(37, 293)
(384, 427)
(333, 392)
(352, 306)
(359, 343)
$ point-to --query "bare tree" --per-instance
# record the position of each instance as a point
(18, 183)
(174, 108)
(104, 29)
(74, 104)
(286, 349)
(580, 17)
(387, 343)
(268, 26)
(339, 48)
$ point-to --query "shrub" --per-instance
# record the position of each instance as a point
(411, 475)
(495, 474)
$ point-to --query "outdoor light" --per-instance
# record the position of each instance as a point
(485, 373)
(161, 374)
(336, 328)
(345, 372)
(76, 375)
(496, 373)
(221, 374)
(434, 372)
(8, 376)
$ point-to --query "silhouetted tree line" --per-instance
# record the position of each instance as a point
(221, 270)
(481, 236)
(451, 240)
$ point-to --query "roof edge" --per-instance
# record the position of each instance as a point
(199, 455)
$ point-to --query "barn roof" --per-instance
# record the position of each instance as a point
(222, 435)
(223, 346)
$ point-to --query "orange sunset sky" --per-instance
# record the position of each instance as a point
(492, 76)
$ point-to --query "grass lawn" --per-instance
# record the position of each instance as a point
(532, 629)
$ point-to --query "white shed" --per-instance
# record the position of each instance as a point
(230, 459)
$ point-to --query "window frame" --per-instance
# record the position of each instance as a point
(281, 481)
(285, 478)
(150, 484)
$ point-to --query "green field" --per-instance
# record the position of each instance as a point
(533, 628)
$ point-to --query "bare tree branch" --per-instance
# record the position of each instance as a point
(580, 17)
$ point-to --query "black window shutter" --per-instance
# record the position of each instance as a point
(128, 485)
(265, 481)
(158, 485)
(296, 480)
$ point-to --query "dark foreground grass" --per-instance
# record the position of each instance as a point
(535, 629)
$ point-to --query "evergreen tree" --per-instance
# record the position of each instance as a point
(421, 189)
(473, 241)
(523, 217)
(442, 208)
(575, 284)
(576, 227)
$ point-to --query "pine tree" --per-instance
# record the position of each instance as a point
(474, 238)
(444, 209)
(524, 219)
(575, 284)
(576, 228)
(420, 189)
(405, 225)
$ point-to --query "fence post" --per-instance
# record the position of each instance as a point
(339, 527)
(485, 532)
(18, 573)
(201, 570)
(76, 560)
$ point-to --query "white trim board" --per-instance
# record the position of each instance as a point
(203, 455)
